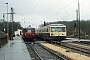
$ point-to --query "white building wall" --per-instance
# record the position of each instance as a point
(17, 32)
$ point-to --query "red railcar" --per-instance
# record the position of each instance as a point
(28, 34)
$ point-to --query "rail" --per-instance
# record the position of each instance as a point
(44, 53)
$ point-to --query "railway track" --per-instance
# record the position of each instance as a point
(83, 43)
(77, 48)
(80, 47)
(39, 52)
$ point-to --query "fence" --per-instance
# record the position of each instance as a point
(3, 40)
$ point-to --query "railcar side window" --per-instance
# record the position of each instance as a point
(24, 30)
(52, 29)
(32, 30)
(63, 29)
(28, 30)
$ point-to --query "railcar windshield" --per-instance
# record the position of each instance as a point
(28, 30)
(52, 29)
(24, 30)
(57, 29)
(31, 30)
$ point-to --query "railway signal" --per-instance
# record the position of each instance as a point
(44, 23)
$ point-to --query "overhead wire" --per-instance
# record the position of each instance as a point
(74, 6)
(62, 8)
(34, 7)
(15, 4)
(74, 11)
(66, 6)
(86, 8)
(82, 15)
(30, 8)
(28, 12)
(32, 4)
(55, 5)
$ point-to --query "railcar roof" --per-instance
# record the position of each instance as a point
(56, 25)
(29, 28)
(51, 25)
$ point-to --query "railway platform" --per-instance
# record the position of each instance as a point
(14, 50)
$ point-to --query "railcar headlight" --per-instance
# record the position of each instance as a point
(51, 34)
(25, 34)
(32, 34)
(62, 34)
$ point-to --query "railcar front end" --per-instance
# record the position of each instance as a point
(58, 33)
(28, 34)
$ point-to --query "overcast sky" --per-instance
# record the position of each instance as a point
(35, 12)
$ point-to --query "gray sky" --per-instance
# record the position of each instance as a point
(35, 12)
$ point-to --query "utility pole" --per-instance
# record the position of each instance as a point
(77, 22)
(12, 12)
(79, 17)
(11, 19)
(4, 23)
(7, 19)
